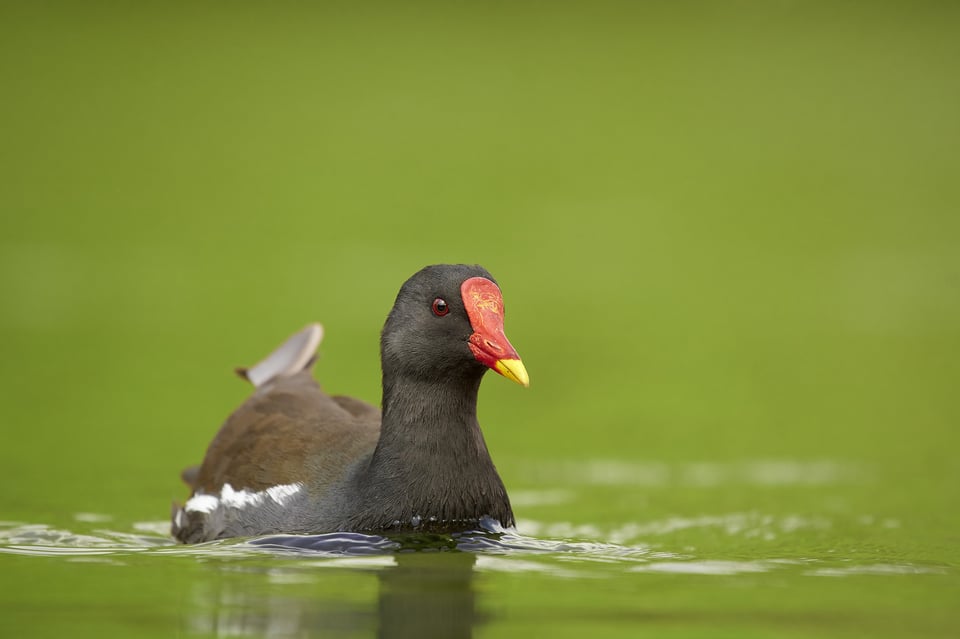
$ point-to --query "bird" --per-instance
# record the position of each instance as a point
(292, 459)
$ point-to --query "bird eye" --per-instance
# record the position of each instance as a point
(440, 307)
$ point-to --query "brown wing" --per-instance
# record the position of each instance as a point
(289, 431)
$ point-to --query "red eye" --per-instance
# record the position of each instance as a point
(440, 307)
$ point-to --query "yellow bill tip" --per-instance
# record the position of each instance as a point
(513, 369)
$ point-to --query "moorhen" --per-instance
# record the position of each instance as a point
(292, 459)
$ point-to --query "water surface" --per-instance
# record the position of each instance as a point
(831, 568)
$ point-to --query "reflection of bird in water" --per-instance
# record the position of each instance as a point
(428, 595)
(420, 594)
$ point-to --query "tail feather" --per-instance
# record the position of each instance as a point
(189, 476)
(294, 355)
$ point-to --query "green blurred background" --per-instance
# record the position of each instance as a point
(721, 229)
(724, 230)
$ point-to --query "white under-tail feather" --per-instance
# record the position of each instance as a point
(290, 358)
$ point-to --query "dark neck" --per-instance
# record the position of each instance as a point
(431, 460)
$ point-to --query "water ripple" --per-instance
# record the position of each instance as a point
(497, 549)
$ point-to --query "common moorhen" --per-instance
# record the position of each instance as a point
(292, 459)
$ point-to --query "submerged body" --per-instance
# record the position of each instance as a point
(293, 459)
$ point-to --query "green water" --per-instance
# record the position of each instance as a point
(729, 244)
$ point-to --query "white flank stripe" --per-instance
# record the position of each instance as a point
(202, 504)
(239, 499)
(283, 492)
